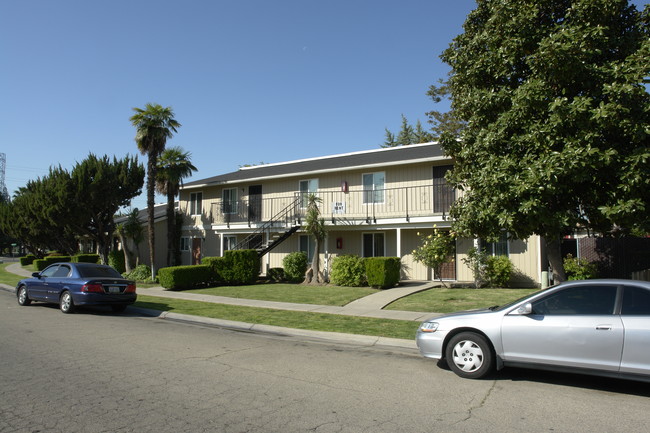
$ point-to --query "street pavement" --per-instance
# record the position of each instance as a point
(369, 306)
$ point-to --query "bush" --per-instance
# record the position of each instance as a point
(579, 268)
(116, 260)
(185, 277)
(383, 272)
(276, 275)
(216, 264)
(348, 270)
(240, 267)
(295, 266)
(498, 271)
(86, 258)
(27, 260)
(141, 273)
(40, 264)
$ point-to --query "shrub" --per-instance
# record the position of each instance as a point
(476, 260)
(27, 260)
(436, 250)
(185, 277)
(348, 270)
(498, 271)
(276, 275)
(383, 272)
(140, 273)
(216, 264)
(240, 267)
(579, 268)
(40, 264)
(295, 266)
(116, 260)
(86, 258)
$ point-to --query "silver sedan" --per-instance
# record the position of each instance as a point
(599, 327)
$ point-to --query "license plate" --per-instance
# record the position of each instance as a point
(113, 289)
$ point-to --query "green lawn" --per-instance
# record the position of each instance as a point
(7, 277)
(295, 293)
(289, 319)
(442, 300)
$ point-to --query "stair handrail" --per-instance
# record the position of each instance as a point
(283, 214)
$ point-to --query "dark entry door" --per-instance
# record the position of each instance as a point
(255, 203)
(196, 251)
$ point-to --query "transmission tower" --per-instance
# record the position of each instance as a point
(3, 186)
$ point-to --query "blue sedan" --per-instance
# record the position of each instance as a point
(75, 284)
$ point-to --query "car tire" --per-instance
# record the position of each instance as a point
(470, 355)
(23, 297)
(118, 308)
(66, 304)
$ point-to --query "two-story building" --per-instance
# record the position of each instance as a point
(375, 203)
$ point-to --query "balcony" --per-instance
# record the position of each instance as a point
(337, 207)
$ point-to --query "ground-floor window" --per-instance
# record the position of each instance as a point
(185, 243)
(229, 242)
(307, 246)
(498, 248)
(373, 245)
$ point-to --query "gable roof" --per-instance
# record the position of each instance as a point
(400, 155)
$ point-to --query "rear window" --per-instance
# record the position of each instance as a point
(98, 272)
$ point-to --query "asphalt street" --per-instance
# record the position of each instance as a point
(96, 371)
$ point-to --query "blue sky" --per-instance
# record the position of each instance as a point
(250, 80)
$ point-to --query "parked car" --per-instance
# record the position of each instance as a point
(75, 284)
(599, 327)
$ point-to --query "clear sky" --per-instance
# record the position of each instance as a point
(250, 80)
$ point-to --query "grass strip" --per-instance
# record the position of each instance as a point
(290, 319)
(294, 293)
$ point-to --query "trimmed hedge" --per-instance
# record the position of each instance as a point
(116, 260)
(383, 272)
(86, 258)
(348, 270)
(240, 267)
(216, 264)
(295, 266)
(27, 260)
(185, 277)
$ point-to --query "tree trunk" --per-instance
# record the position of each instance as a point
(554, 256)
(313, 274)
(151, 184)
(127, 254)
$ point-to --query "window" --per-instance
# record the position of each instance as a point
(62, 272)
(196, 203)
(185, 244)
(636, 302)
(498, 248)
(581, 300)
(373, 187)
(307, 187)
(229, 243)
(373, 245)
(307, 246)
(443, 193)
(229, 201)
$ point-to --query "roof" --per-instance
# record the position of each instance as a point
(400, 155)
(159, 213)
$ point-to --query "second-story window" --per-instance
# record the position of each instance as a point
(373, 187)
(196, 203)
(229, 201)
(307, 187)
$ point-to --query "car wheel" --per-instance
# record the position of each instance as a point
(118, 308)
(23, 298)
(66, 304)
(469, 355)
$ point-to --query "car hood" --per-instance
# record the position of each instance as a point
(478, 311)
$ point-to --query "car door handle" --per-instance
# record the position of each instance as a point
(604, 328)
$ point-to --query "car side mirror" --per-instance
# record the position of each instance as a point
(525, 309)
(36, 274)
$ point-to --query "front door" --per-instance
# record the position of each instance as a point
(255, 203)
(196, 251)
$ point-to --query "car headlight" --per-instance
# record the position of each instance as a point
(429, 327)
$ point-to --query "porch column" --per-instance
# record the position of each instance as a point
(399, 242)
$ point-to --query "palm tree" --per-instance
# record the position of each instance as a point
(173, 166)
(154, 125)
(314, 226)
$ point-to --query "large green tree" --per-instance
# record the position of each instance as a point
(557, 119)
(101, 187)
(174, 165)
(154, 124)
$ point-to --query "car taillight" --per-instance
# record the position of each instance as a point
(130, 288)
(92, 288)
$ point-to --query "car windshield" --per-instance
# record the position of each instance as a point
(98, 272)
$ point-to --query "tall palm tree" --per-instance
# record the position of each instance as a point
(154, 125)
(174, 165)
